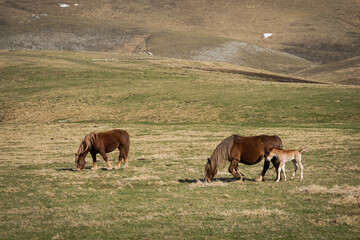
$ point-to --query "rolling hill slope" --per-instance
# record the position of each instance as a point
(306, 34)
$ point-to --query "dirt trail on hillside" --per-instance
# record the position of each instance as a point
(267, 76)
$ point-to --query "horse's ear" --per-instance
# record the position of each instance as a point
(75, 154)
(208, 159)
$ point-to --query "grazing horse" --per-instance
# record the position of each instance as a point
(238, 149)
(103, 142)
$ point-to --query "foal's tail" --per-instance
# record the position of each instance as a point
(303, 150)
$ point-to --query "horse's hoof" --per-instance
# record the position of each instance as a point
(259, 179)
(109, 169)
(125, 166)
(93, 168)
(116, 167)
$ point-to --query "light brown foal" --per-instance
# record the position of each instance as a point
(286, 156)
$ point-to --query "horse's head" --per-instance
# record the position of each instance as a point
(79, 161)
(209, 171)
(81, 154)
(84, 148)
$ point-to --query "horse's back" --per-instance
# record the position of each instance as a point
(250, 141)
(120, 132)
(249, 147)
(114, 133)
(252, 148)
(113, 138)
(260, 139)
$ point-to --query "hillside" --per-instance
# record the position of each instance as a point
(344, 72)
(306, 34)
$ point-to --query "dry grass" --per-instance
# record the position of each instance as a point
(156, 172)
(161, 193)
(337, 190)
(340, 195)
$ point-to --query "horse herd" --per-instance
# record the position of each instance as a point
(235, 149)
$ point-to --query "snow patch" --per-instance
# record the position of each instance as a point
(103, 59)
(147, 53)
(63, 5)
(266, 35)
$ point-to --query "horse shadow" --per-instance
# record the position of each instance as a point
(65, 170)
(220, 179)
(85, 168)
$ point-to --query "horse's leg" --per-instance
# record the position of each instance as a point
(122, 155)
(295, 169)
(93, 155)
(120, 158)
(119, 162)
(262, 174)
(126, 163)
(232, 167)
(123, 151)
(103, 154)
(237, 169)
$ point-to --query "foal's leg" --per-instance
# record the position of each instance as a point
(103, 154)
(279, 171)
(232, 167)
(301, 170)
(295, 169)
(93, 155)
(283, 170)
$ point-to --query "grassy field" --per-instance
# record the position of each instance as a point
(175, 115)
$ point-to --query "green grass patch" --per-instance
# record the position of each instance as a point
(175, 117)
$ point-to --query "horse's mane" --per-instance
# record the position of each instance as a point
(220, 156)
(87, 142)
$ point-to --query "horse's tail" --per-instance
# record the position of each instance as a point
(219, 157)
(127, 145)
(87, 143)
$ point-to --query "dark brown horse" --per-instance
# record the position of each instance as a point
(238, 149)
(103, 142)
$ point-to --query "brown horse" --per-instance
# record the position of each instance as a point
(103, 142)
(238, 149)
